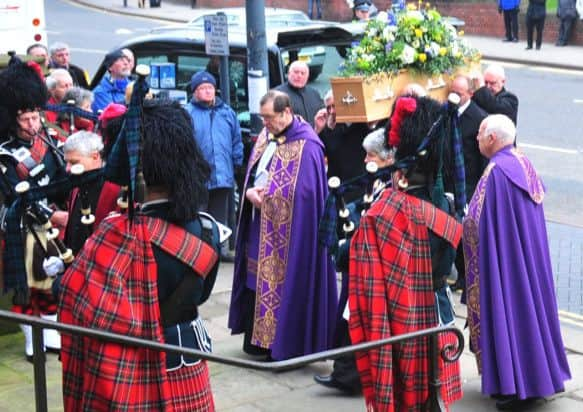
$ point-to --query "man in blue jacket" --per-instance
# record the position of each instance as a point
(218, 134)
(510, 9)
(112, 87)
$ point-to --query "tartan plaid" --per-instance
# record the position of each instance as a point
(112, 286)
(38, 150)
(190, 389)
(41, 302)
(459, 168)
(391, 293)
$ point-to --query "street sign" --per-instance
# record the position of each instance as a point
(215, 35)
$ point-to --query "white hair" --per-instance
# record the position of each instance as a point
(375, 142)
(329, 95)
(84, 142)
(501, 126)
(55, 76)
(58, 46)
(496, 70)
(79, 95)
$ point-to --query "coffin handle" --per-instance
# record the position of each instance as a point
(435, 85)
(378, 95)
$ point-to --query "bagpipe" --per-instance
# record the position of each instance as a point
(74, 116)
(25, 204)
(338, 214)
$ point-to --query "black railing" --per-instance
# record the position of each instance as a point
(450, 353)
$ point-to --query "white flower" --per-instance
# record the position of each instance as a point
(388, 33)
(372, 31)
(382, 16)
(415, 14)
(416, 44)
(408, 55)
(434, 47)
(350, 3)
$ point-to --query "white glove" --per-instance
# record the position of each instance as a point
(53, 266)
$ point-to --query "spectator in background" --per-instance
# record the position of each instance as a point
(510, 9)
(112, 87)
(318, 9)
(83, 99)
(363, 10)
(218, 134)
(58, 83)
(535, 19)
(60, 57)
(40, 51)
(567, 13)
(305, 100)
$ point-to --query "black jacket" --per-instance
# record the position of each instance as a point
(474, 162)
(504, 102)
(305, 102)
(537, 9)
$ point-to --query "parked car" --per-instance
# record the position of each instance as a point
(275, 18)
(185, 48)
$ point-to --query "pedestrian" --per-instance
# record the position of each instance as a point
(218, 134)
(567, 13)
(491, 93)
(363, 10)
(510, 9)
(60, 59)
(284, 287)
(146, 278)
(112, 87)
(58, 83)
(399, 259)
(535, 19)
(305, 100)
(512, 307)
(318, 9)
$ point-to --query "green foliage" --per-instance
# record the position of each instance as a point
(417, 40)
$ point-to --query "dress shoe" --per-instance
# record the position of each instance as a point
(515, 404)
(515, 40)
(538, 47)
(528, 48)
(330, 382)
(506, 40)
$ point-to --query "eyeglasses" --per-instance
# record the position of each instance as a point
(270, 117)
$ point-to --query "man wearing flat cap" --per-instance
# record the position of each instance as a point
(111, 88)
(218, 134)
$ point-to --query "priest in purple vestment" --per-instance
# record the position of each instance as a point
(512, 307)
(284, 289)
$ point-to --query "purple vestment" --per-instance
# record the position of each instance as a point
(278, 255)
(512, 307)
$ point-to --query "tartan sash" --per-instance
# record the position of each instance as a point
(37, 152)
(183, 245)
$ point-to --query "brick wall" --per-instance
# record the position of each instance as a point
(481, 17)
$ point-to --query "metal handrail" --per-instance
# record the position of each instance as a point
(450, 352)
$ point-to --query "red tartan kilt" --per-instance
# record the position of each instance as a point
(41, 302)
(451, 389)
(191, 389)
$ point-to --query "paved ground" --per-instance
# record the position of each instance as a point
(240, 390)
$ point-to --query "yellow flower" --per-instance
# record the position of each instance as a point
(418, 32)
(427, 5)
(411, 6)
(442, 51)
(422, 57)
(461, 33)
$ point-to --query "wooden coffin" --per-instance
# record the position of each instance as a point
(367, 99)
